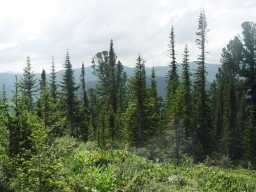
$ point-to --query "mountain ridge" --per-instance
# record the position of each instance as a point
(8, 78)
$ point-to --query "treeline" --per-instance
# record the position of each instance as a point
(204, 121)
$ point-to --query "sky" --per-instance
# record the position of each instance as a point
(45, 28)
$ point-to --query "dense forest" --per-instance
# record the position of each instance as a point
(122, 136)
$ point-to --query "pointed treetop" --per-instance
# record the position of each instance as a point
(111, 46)
(186, 52)
(28, 66)
(82, 70)
(153, 75)
(28, 60)
(43, 79)
(67, 55)
(53, 62)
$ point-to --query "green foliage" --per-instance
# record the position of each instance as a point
(201, 132)
(28, 86)
(69, 97)
(110, 89)
(76, 166)
(71, 141)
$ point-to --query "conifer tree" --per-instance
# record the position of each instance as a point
(186, 86)
(153, 107)
(28, 86)
(69, 96)
(172, 73)
(83, 86)
(139, 86)
(110, 86)
(113, 91)
(44, 101)
(84, 113)
(248, 71)
(201, 137)
(121, 79)
(94, 114)
(13, 123)
(53, 83)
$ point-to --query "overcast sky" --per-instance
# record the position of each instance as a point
(44, 28)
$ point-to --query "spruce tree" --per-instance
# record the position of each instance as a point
(186, 86)
(113, 91)
(84, 113)
(172, 73)
(69, 96)
(153, 107)
(28, 86)
(44, 101)
(110, 86)
(248, 71)
(53, 83)
(13, 123)
(140, 94)
(201, 135)
(121, 80)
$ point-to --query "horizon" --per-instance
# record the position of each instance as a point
(90, 66)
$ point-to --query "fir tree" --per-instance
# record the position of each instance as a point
(248, 71)
(139, 85)
(13, 123)
(172, 74)
(110, 86)
(69, 96)
(28, 86)
(201, 137)
(121, 79)
(153, 107)
(186, 86)
(44, 101)
(53, 83)
(84, 117)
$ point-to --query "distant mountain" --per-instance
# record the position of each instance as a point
(8, 79)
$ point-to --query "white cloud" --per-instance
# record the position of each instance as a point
(45, 28)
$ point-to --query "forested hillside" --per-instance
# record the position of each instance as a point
(8, 79)
(59, 134)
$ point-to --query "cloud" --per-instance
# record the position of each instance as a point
(45, 28)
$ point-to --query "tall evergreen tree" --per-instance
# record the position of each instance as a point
(113, 91)
(13, 123)
(69, 97)
(248, 72)
(153, 107)
(44, 101)
(186, 86)
(83, 86)
(140, 93)
(84, 108)
(28, 85)
(110, 86)
(53, 83)
(201, 137)
(121, 80)
(172, 73)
